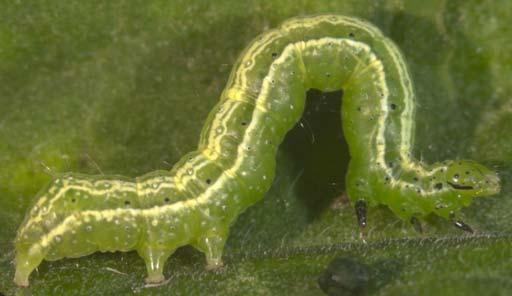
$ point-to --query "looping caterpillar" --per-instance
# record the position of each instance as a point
(233, 167)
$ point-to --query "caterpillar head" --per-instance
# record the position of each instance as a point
(470, 179)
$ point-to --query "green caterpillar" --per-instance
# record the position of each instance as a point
(197, 201)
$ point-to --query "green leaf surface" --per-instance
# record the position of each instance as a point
(123, 87)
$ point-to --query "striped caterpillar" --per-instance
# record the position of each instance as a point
(196, 202)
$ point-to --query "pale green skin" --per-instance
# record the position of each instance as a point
(202, 196)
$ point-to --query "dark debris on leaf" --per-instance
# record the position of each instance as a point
(350, 277)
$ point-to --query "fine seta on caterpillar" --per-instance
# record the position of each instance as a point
(196, 202)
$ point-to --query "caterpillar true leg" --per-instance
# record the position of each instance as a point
(416, 224)
(360, 208)
(462, 226)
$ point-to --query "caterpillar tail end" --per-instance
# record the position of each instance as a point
(21, 277)
(26, 262)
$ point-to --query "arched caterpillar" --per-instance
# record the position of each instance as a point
(197, 201)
